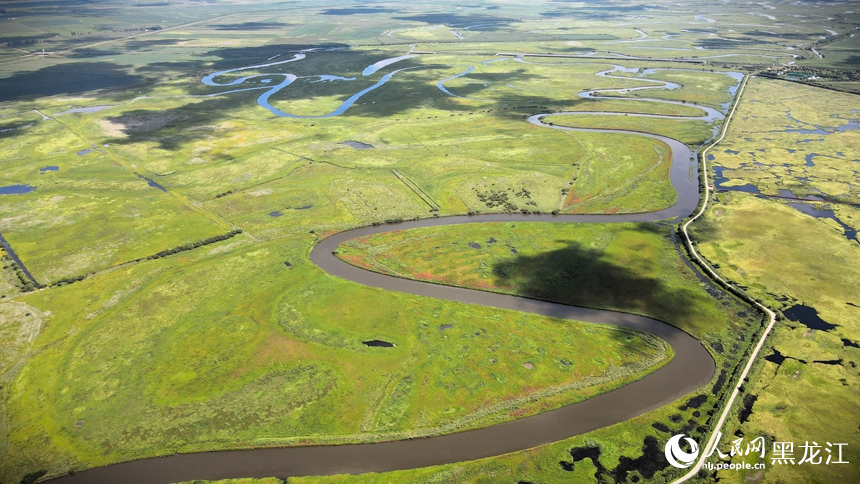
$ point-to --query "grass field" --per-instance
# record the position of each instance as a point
(786, 257)
(578, 264)
(699, 87)
(797, 138)
(625, 452)
(691, 133)
(819, 270)
(641, 107)
(242, 342)
(164, 324)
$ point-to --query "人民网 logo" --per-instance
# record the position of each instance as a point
(678, 457)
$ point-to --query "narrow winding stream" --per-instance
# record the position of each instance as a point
(691, 367)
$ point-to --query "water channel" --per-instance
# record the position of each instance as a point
(690, 368)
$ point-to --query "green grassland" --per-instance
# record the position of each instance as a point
(798, 400)
(581, 264)
(578, 264)
(176, 140)
(772, 154)
(46, 227)
(162, 325)
(225, 346)
(617, 443)
(7, 279)
(698, 87)
(839, 54)
(691, 133)
(243, 151)
(639, 107)
(786, 257)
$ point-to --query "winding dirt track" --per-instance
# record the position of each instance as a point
(691, 367)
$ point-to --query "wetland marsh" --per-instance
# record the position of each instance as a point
(169, 288)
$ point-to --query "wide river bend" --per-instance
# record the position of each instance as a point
(690, 368)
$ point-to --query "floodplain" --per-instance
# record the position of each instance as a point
(167, 172)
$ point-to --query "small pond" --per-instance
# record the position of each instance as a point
(378, 343)
(357, 145)
(16, 189)
(807, 316)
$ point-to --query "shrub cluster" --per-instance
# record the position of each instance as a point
(24, 283)
(194, 245)
(158, 255)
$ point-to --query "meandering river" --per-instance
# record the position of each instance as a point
(271, 90)
(691, 367)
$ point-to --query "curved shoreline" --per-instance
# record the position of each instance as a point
(263, 99)
(691, 367)
(715, 434)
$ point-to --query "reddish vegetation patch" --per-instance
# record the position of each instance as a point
(612, 210)
(518, 413)
(482, 285)
(356, 261)
(276, 348)
(571, 199)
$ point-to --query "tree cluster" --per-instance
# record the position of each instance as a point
(154, 27)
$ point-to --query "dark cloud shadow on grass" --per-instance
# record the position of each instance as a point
(849, 63)
(474, 85)
(582, 276)
(134, 45)
(595, 12)
(357, 11)
(173, 128)
(70, 78)
(41, 38)
(239, 56)
(138, 45)
(777, 35)
(456, 19)
(65, 4)
(706, 229)
(29, 10)
(189, 121)
(11, 130)
(723, 44)
(410, 89)
(560, 13)
(230, 58)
